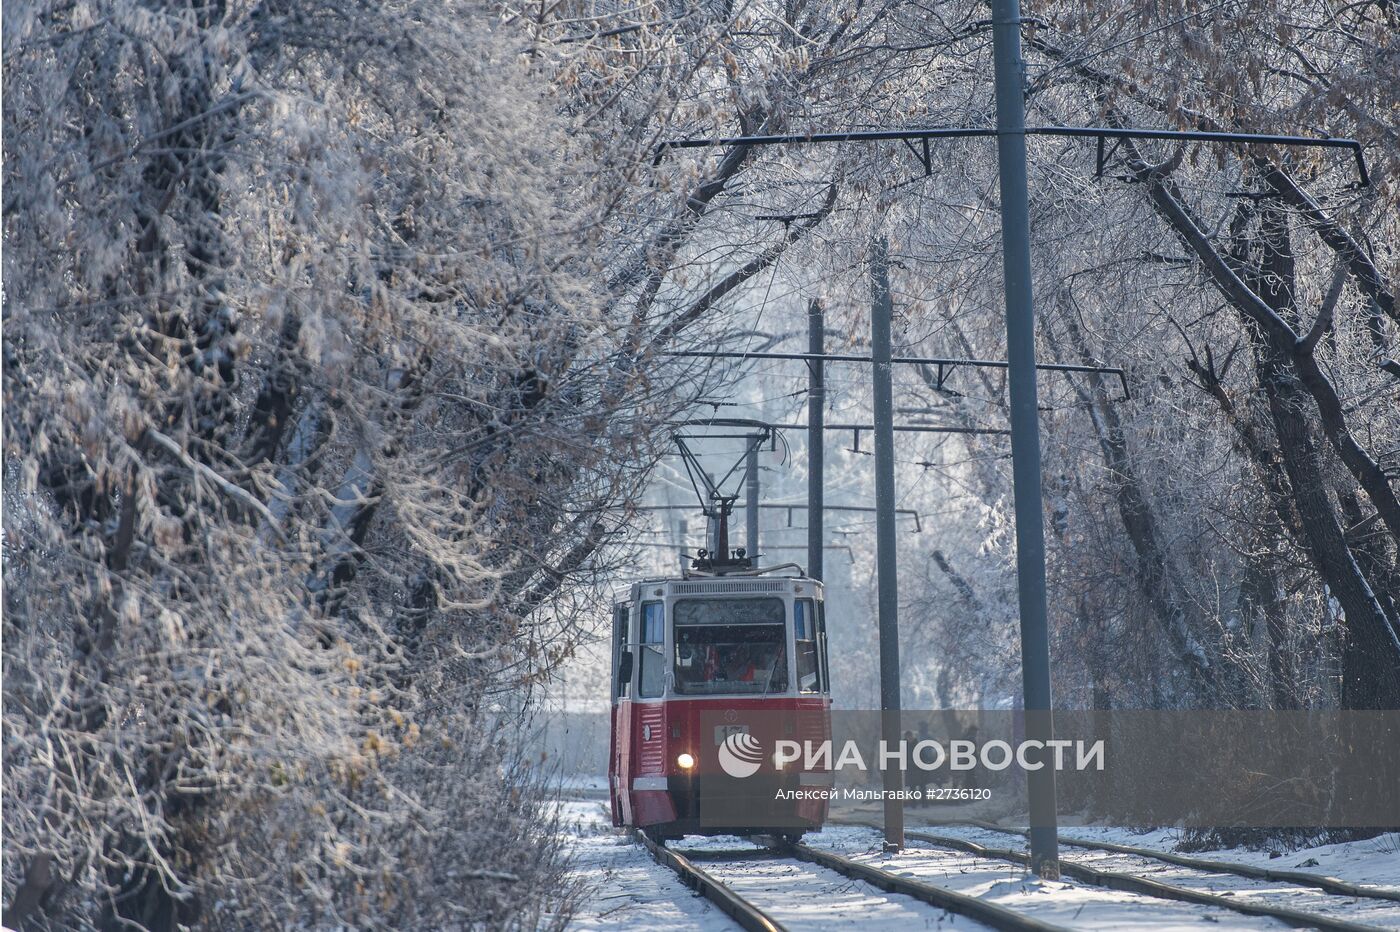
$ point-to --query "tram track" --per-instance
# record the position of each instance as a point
(1131, 883)
(753, 917)
(1235, 900)
(740, 907)
(736, 907)
(991, 914)
(1301, 878)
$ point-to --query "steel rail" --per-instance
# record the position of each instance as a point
(964, 904)
(1301, 878)
(744, 912)
(732, 904)
(1130, 883)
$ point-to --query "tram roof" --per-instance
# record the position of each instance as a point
(624, 594)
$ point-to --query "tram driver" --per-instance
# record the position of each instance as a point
(714, 655)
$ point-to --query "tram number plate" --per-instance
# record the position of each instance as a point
(724, 731)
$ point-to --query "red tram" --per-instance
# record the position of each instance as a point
(701, 659)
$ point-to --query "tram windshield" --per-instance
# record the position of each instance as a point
(730, 646)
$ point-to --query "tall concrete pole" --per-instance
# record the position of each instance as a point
(816, 451)
(881, 314)
(751, 499)
(1025, 426)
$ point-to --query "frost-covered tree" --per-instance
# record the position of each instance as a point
(334, 343)
(1221, 536)
(310, 407)
(1305, 263)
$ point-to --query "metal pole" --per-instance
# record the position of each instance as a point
(751, 499)
(714, 525)
(1025, 427)
(816, 452)
(682, 529)
(881, 312)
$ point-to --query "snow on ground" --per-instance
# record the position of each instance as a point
(804, 896)
(1065, 903)
(1380, 913)
(626, 889)
(583, 784)
(1373, 862)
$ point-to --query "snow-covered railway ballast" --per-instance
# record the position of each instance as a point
(844, 876)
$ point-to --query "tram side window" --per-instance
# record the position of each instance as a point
(806, 632)
(622, 687)
(652, 650)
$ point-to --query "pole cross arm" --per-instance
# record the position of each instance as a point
(789, 508)
(941, 362)
(663, 545)
(906, 428)
(911, 512)
(1100, 133)
(902, 428)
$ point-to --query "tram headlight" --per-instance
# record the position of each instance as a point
(685, 761)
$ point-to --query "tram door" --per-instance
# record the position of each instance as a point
(620, 764)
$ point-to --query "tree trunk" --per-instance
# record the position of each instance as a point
(1371, 657)
(1152, 569)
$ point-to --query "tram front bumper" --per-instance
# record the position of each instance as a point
(763, 802)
